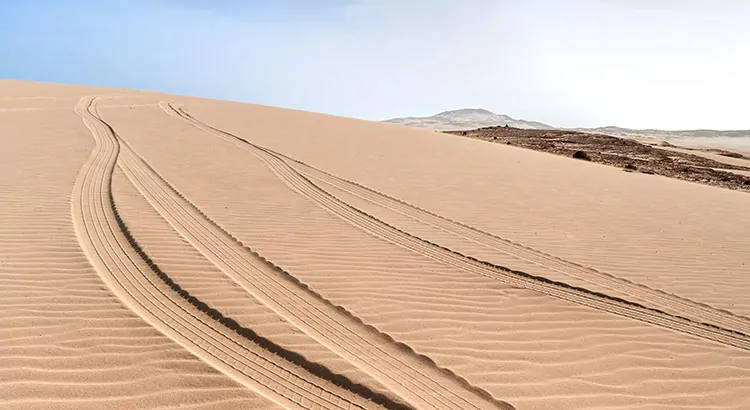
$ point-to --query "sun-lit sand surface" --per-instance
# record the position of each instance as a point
(163, 251)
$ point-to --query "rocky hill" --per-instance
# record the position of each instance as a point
(467, 118)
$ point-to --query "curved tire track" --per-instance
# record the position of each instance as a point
(142, 287)
(560, 290)
(414, 378)
(655, 298)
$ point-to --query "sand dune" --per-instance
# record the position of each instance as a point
(157, 298)
(458, 236)
(445, 255)
(356, 271)
(165, 251)
(204, 281)
(669, 235)
(66, 341)
(414, 379)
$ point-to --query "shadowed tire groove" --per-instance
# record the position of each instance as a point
(314, 368)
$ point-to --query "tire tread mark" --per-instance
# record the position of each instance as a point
(658, 297)
(558, 289)
(427, 384)
(132, 276)
(297, 359)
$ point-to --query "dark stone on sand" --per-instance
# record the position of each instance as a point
(581, 155)
(731, 154)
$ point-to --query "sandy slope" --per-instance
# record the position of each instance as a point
(158, 261)
(66, 341)
(381, 282)
(202, 279)
(670, 235)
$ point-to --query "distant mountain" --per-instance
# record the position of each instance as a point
(473, 118)
(466, 119)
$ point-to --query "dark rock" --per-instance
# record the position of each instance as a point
(581, 155)
(630, 167)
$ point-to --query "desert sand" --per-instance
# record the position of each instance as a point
(162, 251)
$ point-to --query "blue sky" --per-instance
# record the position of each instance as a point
(636, 63)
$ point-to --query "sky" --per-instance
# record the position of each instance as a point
(668, 64)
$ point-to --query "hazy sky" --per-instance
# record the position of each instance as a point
(635, 63)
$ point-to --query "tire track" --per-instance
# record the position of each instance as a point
(561, 290)
(131, 275)
(414, 378)
(293, 357)
(656, 298)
